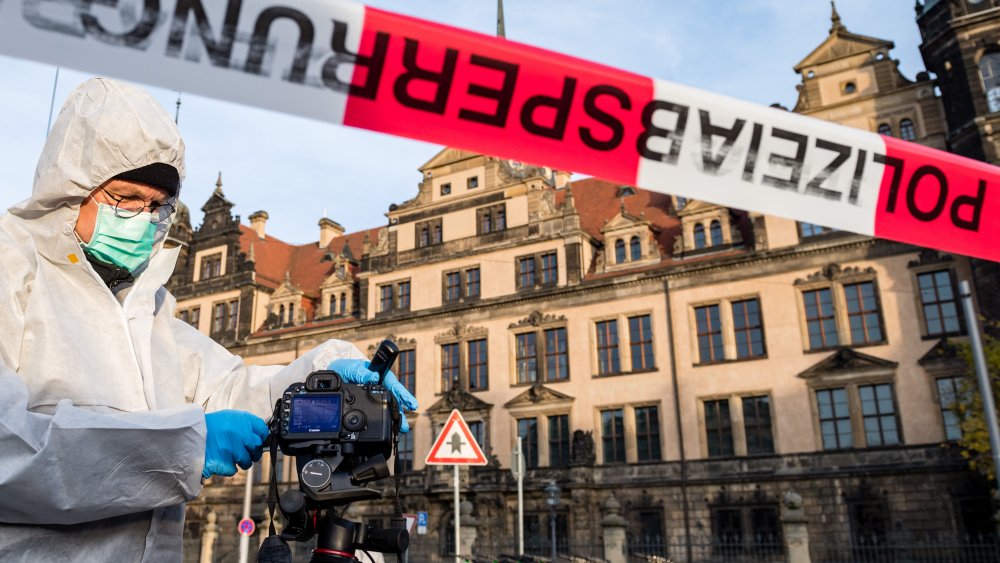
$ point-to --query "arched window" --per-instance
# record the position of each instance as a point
(885, 129)
(699, 236)
(291, 313)
(619, 251)
(343, 303)
(989, 71)
(850, 88)
(281, 314)
(906, 130)
(331, 308)
(636, 248)
(716, 231)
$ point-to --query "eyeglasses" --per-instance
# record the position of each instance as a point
(128, 207)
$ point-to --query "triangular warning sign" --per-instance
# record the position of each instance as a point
(455, 445)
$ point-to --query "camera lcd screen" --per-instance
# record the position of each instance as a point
(315, 413)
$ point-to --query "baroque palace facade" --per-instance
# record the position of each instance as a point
(692, 361)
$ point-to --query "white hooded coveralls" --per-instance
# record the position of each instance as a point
(102, 396)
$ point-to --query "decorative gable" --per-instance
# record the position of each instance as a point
(847, 363)
(629, 241)
(539, 399)
(705, 227)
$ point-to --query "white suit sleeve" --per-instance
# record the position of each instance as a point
(75, 465)
(217, 379)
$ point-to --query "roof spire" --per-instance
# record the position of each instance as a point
(835, 19)
(218, 185)
(500, 28)
(177, 113)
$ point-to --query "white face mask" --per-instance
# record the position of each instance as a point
(126, 243)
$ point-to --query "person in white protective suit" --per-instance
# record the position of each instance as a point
(103, 392)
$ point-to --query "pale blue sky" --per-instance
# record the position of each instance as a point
(294, 167)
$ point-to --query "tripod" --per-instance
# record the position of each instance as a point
(338, 539)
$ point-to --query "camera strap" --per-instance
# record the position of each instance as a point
(274, 548)
(397, 468)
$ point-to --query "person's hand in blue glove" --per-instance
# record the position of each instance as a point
(356, 371)
(234, 438)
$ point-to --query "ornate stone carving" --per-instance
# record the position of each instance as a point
(461, 332)
(792, 500)
(834, 272)
(930, 256)
(536, 318)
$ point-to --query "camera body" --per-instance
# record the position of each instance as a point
(324, 410)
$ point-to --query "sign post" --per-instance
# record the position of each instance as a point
(517, 468)
(456, 446)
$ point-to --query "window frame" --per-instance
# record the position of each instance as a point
(851, 386)
(541, 356)
(451, 372)
(491, 219)
(931, 269)
(738, 427)
(396, 289)
(482, 368)
(838, 292)
(429, 233)
(407, 377)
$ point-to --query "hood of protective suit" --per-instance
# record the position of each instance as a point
(104, 128)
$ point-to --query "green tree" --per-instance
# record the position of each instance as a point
(975, 441)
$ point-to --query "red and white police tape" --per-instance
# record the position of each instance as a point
(351, 64)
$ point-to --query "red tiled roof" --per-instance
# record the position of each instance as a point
(304, 263)
(597, 203)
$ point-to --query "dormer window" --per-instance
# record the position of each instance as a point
(636, 248)
(699, 236)
(472, 182)
(619, 251)
(715, 230)
(850, 88)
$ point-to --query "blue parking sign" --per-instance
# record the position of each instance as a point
(421, 519)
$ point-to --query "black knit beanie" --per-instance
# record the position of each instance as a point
(158, 175)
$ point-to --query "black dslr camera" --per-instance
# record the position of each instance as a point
(341, 436)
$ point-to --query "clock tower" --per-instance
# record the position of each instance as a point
(961, 46)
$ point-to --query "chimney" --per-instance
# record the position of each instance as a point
(257, 222)
(328, 230)
(562, 178)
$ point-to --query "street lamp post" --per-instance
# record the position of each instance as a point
(552, 499)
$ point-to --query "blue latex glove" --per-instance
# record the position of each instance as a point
(356, 371)
(234, 438)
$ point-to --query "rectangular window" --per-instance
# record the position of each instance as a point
(879, 412)
(404, 295)
(749, 329)
(727, 530)
(385, 298)
(613, 435)
(559, 438)
(527, 429)
(478, 430)
(820, 319)
(863, 313)
(406, 370)
(719, 427)
(478, 365)
(550, 269)
(449, 366)
(647, 433)
(834, 418)
(452, 286)
(211, 266)
(472, 282)
(472, 183)
(527, 358)
(940, 304)
(234, 310)
(405, 450)
(491, 219)
(607, 348)
(556, 355)
(810, 230)
(218, 318)
(709, 334)
(191, 316)
(948, 394)
(641, 342)
(757, 424)
(526, 272)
